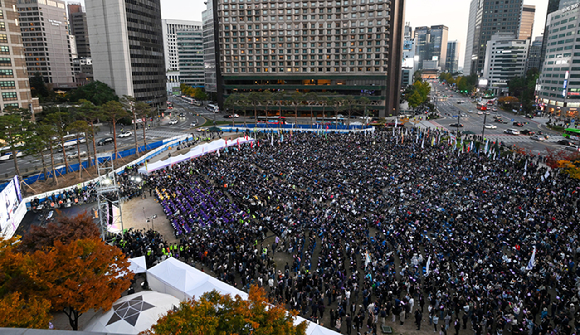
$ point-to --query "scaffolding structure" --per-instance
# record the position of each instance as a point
(108, 195)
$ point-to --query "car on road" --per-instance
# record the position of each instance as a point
(125, 134)
(75, 154)
(181, 115)
(470, 111)
(537, 138)
(459, 102)
(456, 125)
(565, 142)
(104, 141)
(512, 131)
(490, 126)
(573, 148)
(172, 122)
(527, 132)
(487, 113)
(518, 124)
(463, 115)
(193, 124)
(479, 113)
(231, 116)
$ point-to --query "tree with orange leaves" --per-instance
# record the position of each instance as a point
(19, 307)
(64, 230)
(216, 314)
(84, 274)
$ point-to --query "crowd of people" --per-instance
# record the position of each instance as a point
(384, 227)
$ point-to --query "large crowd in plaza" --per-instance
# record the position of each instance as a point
(382, 227)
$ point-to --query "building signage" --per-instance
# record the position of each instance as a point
(571, 7)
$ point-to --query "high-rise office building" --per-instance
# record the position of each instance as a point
(553, 5)
(409, 63)
(505, 59)
(487, 17)
(46, 41)
(316, 46)
(210, 52)
(535, 54)
(190, 55)
(422, 45)
(452, 59)
(527, 22)
(559, 81)
(408, 31)
(13, 72)
(170, 29)
(439, 44)
(126, 40)
(77, 19)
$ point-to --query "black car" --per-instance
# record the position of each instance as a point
(456, 125)
(565, 142)
(104, 141)
(518, 124)
(181, 115)
(527, 132)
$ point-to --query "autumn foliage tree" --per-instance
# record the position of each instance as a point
(216, 314)
(84, 274)
(64, 229)
(19, 307)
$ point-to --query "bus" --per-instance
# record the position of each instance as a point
(272, 119)
(482, 106)
(213, 108)
(572, 133)
(188, 99)
(6, 154)
(69, 140)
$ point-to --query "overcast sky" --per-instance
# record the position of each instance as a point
(452, 13)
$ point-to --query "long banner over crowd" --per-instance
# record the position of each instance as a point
(194, 152)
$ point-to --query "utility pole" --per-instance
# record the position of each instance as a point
(483, 129)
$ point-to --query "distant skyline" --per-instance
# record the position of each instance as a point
(451, 13)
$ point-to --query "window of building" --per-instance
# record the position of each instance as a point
(7, 84)
(9, 96)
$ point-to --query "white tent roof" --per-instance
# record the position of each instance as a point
(184, 282)
(133, 313)
(138, 265)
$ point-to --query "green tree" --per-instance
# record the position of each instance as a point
(365, 102)
(15, 131)
(215, 314)
(143, 111)
(96, 92)
(114, 111)
(129, 105)
(296, 98)
(81, 128)
(524, 88)
(311, 100)
(338, 105)
(38, 87)
(255, 100)
(231, 102)
(90, 113)
(58, 118)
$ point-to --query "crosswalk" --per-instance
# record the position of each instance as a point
(519, 139)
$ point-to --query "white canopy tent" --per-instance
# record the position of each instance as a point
(184, 282)
(133, 313)
(194, 152)
(138, 265)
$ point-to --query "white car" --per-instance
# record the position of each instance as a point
(572, 148)
(490, 126)
(479, 113)
(537, 138)
(125, 134)
(8, 155)
(172, 122)
(470, 111)
(75, 154)
(512, 131)
(193, 124)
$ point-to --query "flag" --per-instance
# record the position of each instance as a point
(272, 140)
(367, 259)
(238, 143)
(427, 268)
(282, 138)
(423, 143)
(218, 152)
(526, 168)
(146, 170)
(532, 261)
(433, 141)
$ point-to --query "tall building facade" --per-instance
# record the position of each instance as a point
(190, 55)
(487, 17)
(559, 92)
(535, 54)
(126, 39)
(438, 44)
(210, 52)
(422, 45)
(315, 46)
(77, 19)
(46, 41)
(527, 22)
(170, 29)
(409, 63)
(553, 5)
(505, 58)
(452, 59)
(14, 83)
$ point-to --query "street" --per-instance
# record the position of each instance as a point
(467, 114)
